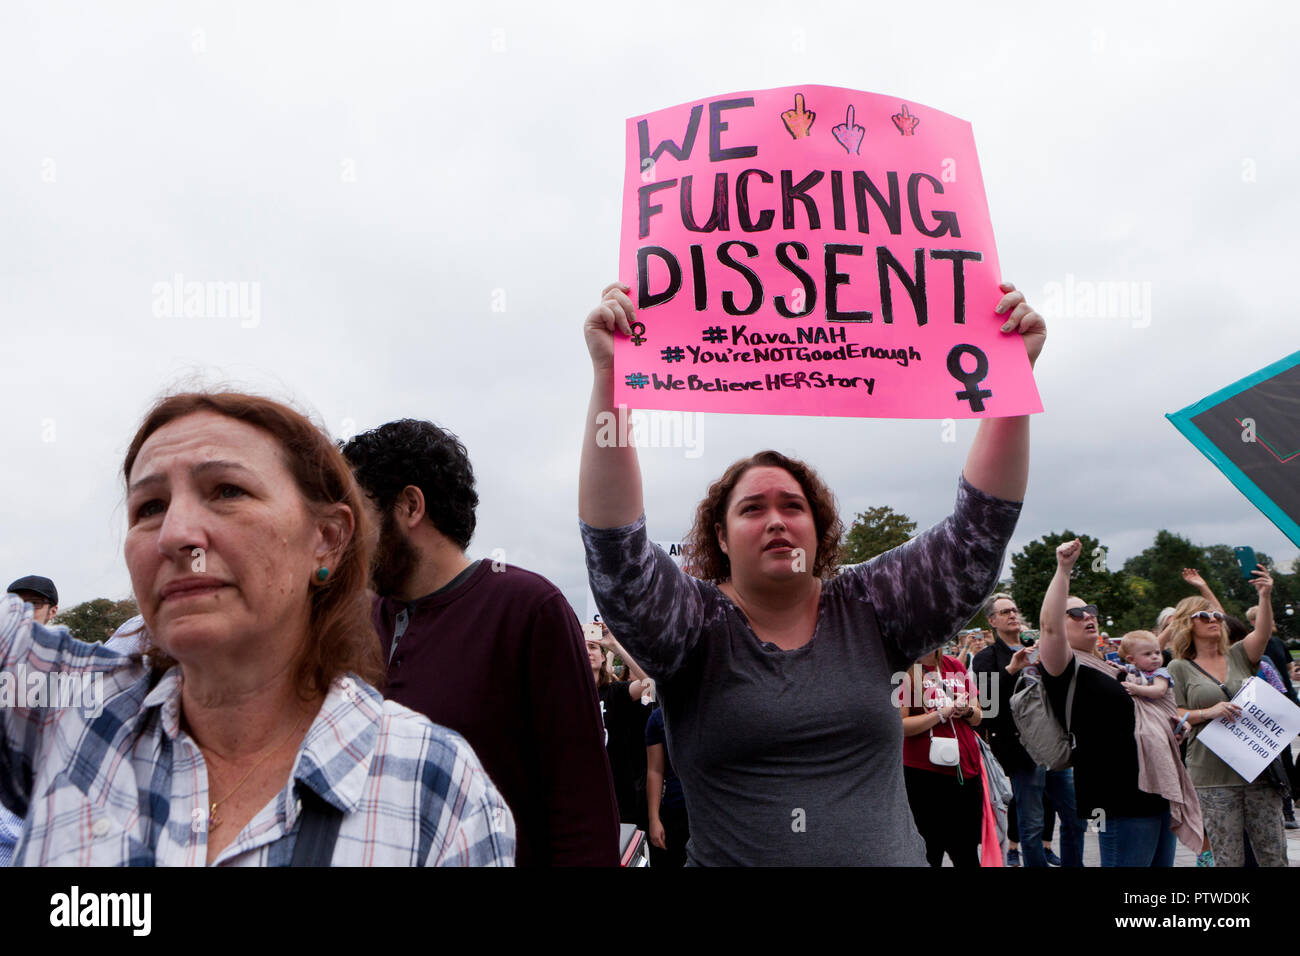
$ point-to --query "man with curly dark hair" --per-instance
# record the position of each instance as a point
(490, 650)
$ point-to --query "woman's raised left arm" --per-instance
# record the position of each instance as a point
(998, 461)
(1257, 640)
(925, 589)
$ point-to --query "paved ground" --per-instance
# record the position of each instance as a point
(1182, 856)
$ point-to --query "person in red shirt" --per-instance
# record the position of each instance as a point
(940, 702)
(490, 650)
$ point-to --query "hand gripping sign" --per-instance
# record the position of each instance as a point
(812, 250)
(1268, 723)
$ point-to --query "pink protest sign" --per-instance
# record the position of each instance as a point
(813, 250)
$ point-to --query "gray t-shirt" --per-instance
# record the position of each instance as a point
(795, 757)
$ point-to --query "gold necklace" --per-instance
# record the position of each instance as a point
(213, 822)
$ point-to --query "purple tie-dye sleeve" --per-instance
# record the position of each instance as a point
(925, 590)
(654, 609)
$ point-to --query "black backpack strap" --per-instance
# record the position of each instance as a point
(1069, 705)
(1222, 686)
(318, 830)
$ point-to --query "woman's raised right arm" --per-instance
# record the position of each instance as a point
(655, 609)
(609, 479)
(1054, 650)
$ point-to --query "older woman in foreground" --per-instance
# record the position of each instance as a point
(249, 733)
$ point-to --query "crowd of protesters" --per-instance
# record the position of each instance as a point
(1129, 780)
(320, 674)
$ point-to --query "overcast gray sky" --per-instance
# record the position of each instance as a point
(386, 173)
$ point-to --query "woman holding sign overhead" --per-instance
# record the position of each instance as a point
(775, 673)
(1207, 674)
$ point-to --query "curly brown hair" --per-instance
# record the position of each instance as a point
(341, 636)
(704, 557)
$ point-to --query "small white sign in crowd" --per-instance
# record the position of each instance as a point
(1268, 722)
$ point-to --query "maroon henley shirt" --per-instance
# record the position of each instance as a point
(498, 656)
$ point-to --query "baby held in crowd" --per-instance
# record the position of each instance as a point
(1148, 677)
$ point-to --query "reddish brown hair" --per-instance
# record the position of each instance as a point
(341, 637)
(704, 557)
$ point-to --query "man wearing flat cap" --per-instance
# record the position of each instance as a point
(40, 593)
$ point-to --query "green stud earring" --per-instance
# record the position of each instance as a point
(322, 574)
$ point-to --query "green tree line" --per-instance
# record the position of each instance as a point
(1129, 597)
(95, 621)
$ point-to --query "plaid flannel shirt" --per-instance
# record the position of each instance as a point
(10, 828)
(108, 777)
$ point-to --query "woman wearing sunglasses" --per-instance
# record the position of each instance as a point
(1207, 674)
(1133, 825)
